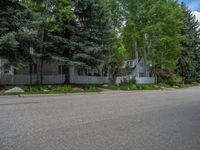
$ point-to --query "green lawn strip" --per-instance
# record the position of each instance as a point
(56, 89)
(130, 87)
(65, 89)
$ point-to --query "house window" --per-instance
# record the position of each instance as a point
(15, 71)
(89, 72)
(35, 69)
(6, 71)
(80, 71)
(141, 74)
(141, 64)
(131, 63)
(86, 72)
(60, 69)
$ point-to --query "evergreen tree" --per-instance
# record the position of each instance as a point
(93, 33)
(16, 32)
(188, 64)
(53, 41)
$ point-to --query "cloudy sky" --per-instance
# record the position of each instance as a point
(194, 5)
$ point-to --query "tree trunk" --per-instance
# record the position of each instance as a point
(67, 53)
(41, 62)
(137, 58)
(66, 72)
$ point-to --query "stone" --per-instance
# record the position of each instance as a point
(105, 85)
(45, 90)
(14, 90)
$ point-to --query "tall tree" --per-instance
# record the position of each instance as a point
(93, 33)
(153, 31)
(17, 32)
(188, 64)
(53, 41)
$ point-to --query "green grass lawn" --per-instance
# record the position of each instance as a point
(64, 89)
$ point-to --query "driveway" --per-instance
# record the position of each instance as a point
(148, 120)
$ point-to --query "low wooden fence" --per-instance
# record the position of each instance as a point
(139, 80)
(25, 79)
(7, 79)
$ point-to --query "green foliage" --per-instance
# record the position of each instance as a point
(102, 32)
(62, 89)
(153, 30)
(48, 89)
(91, 89)
(165, 73)
(93, 34)
(16, 31)
(189, 59)
(131, 86)
(174, 80)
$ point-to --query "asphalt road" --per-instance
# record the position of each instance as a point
(149, 120)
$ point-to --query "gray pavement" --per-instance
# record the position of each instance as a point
(148, 120)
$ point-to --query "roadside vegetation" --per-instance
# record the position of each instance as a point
(92, 33)
(56, 89)
(67, 89)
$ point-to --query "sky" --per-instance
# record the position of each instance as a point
(194, 5)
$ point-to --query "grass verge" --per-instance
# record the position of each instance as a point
(65, 89)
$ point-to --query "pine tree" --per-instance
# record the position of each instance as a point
(188, 64)
(53, 43)
(16, 32)
(93, 33)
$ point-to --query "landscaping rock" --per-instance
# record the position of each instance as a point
(45, 90)
(105, 85)
(176, 87)
(14, 90)
(162, 87)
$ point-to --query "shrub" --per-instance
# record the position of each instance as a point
(174, 80)
(164, 74)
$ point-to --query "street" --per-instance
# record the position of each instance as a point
(138, 120)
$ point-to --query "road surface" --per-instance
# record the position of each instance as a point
(149, 120)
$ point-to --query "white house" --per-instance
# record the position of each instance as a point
(139, 67)
(140, 70)
(52, 74)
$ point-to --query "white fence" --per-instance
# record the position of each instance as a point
(120, 80)
(89, 80)
(139, 80)
(146, 80)
(25, 79)
(50, 79)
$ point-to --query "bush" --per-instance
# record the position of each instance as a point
(174, 81)
(164, 74)
(167, 76)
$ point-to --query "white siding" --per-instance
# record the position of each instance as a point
(89, 80)
(146, 80)
(139, 80)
